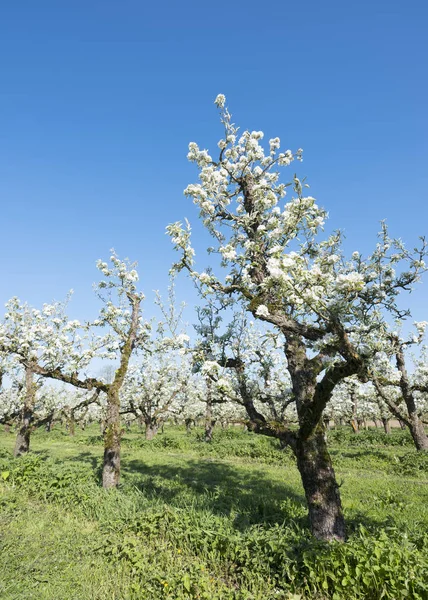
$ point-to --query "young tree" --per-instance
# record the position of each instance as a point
(276, 265)
(154, 389)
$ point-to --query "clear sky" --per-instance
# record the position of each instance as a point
(99, 100)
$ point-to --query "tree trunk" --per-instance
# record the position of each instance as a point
(151, 430)
(209, 421)
(188, 423)
(321, 489)
(418, 434)
(71, 426)
(414, 423)
(7, 428)
(112, 435)
(354, 425)
(386, 425)
(209, 428)
(22, 444)
(48, 426)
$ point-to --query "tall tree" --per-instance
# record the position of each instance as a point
(275, 263)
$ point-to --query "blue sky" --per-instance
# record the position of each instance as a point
(99, 100)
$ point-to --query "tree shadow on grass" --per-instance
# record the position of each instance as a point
(206, 485)
(87, 457)
(250, 497)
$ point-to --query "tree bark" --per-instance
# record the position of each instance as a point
(417, 431)
(354, 425)
(313, 459)
(188, 421)
(386, 425)
(321, 489)
(71, 425)
(415, 424)
(209, 421)
(112, 436)
(22, 444)
(151, 430)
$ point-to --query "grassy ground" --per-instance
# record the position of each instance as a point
(220, 521)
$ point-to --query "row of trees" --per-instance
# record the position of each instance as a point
(328, 325)
(204, 382)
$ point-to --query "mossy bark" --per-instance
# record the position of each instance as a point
(313, 459)
(113, 431)
(321, 489)
(22, 444)
(112, 437)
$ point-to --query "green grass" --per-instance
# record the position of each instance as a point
(222, 521)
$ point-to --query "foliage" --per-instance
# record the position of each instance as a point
(186, 523)
(369, 437)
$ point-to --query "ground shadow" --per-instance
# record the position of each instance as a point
(207, 484)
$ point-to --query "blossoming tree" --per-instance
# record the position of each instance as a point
(47, 344)
(274, 262)
(155, 387)
(399, 389)
(30, 336)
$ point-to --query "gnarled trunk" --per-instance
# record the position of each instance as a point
(417, 431)
(414, 423)
(22, 444)
(310, 446)
(321, 489)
